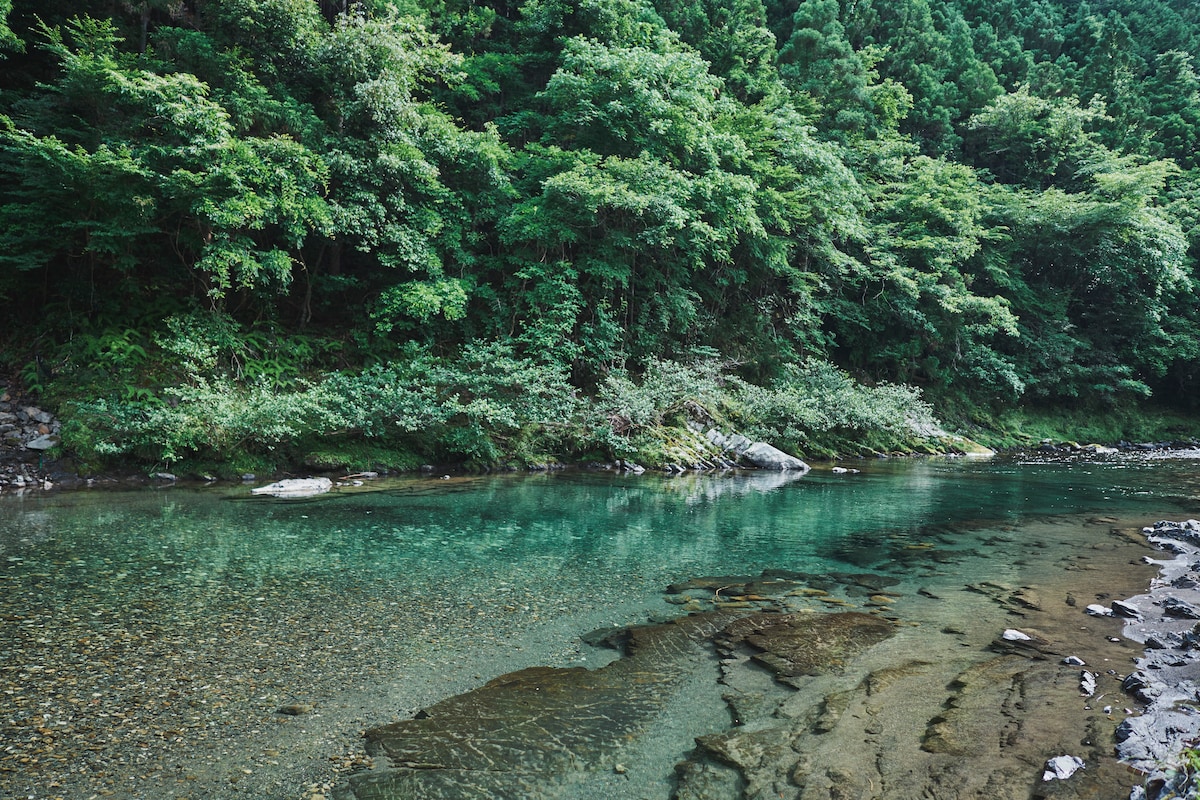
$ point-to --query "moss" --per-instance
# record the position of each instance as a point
(1026, 427)
(361, 456)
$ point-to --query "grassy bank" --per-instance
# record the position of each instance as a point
(202, 399)
(205, 397)
(1031, 426)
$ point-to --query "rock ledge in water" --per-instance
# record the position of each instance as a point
(295, 487)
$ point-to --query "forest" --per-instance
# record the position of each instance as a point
(356, 234)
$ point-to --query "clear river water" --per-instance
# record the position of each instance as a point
(199, 642)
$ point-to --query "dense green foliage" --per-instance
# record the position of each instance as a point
(474, 230)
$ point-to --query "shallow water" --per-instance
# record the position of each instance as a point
(149, 636)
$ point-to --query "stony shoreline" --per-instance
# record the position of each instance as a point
(1166, 620)
(30, 460)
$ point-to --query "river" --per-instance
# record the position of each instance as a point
(151, 639)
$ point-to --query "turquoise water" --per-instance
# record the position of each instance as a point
(424, 532)
(410, 589)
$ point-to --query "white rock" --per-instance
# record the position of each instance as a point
(295, 487)
(1074, 661)
(1097, 610)
(1062, 767)
(765, 456)
(1012, 635)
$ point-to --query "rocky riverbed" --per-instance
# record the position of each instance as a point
(805, 685)
(836, 687)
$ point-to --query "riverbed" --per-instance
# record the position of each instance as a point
(198, 642)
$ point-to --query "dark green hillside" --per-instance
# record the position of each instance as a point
(265, 231)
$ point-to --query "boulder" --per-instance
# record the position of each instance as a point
(1175, 607)
(1125, 609)
(765, 456)
(37, 415)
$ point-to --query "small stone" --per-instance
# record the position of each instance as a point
(1012, 635)
(1097, 610)
(295, 709)
(620, 769)
(1073, 661)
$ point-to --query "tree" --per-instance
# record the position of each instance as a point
(1093, 277)
(126, 170)
(732, 37)
(918, 310)
(398, 228)
(8, 40)
(1028, 140)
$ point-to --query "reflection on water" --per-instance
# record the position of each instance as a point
(427, 529)
(340, 592)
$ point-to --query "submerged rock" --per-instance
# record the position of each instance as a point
(524, 733)
(534, 732)
(791, 645)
